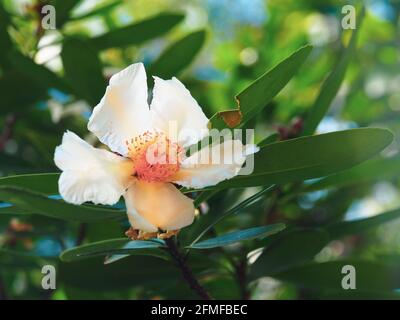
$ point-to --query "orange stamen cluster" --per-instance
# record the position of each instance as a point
(155, 157)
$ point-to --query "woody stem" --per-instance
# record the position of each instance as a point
(187, 273)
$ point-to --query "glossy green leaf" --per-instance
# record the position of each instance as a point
(370, 275)
(137, 33)
(36, 203)
(312, 156)
(268, 140)
(112, 247)
(83, 70)
(290, 249)
(237, 236)
(45, 183)
(341, 229)
(373, 170)
(178, 55)
(259, 93)
(332, 84)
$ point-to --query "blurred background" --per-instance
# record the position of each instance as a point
(51, 79)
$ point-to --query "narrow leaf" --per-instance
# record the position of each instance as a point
(233, 237)
(178, 56)
(36, 203)
(137, 33)
(331, 85)
(109, 247)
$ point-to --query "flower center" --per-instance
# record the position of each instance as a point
(155, 157)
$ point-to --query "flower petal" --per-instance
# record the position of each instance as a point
(90, 174)
(123, 113)
(173, 107)
(153, 205)
(213, 164)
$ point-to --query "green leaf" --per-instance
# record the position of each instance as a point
(178, 56)
(105, 9)
(83, 70)
(268, 140)
(291, 249)
(137, 33)
(5, 40)
(237, 236)
(111, 247)
(312, 156)
(36, 203)
(341, 229)
(208, 222)
(37, 73)
(331, 85)
(373, 170)
(259, 93)
(92, 274)
(45, 183)
(370, 275)
(63, 10)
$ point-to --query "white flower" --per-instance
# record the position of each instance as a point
(125, 123)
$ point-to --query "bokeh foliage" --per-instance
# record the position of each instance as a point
(321, 100)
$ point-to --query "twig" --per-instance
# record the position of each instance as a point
(241, 275)
(7, 131)
(3, 292)
(185, 269)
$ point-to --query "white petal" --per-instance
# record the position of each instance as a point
(173, 107)
(123, 113)
(152, 205)
(90, 174)
(213, 164)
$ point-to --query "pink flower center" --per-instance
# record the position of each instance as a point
(155, 157)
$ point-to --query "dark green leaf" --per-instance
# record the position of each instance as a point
(137, 33)
(83, 70)
(373, 170)
(313, 156)
(37, 73)
(341, 229)
(237, 236)
(178, 55)
(370, 275)
(63, 10)
(110, 247)
(45, 183)
(36, 203)
(259, 93)
(289, 250)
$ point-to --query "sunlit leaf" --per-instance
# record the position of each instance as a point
(137, 33)
(331, 85)
(178, 55)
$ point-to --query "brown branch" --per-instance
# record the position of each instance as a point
(7, 130)
(3, 292)
(241, 275)
(185, 269)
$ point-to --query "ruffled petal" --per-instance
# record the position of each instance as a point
(177, 113)
(90, 174)
(123, 113)
(213, 164)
